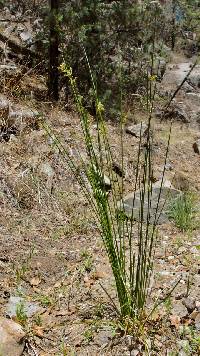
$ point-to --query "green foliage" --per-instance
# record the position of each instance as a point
(183, 211)
(21, 313)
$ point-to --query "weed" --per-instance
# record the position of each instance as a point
(45, 300)
(168, 305)
(183, 211)
(38, 320)
(21, 313)
(88, 335)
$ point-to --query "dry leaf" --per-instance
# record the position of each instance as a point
(98, 275)
(175, 321)
(35, 281)
(38, 330)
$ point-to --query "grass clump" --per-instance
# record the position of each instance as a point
(183, 211)
(131, 260)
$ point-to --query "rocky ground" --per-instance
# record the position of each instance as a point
(52, 260)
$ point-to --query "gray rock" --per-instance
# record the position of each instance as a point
(175, 74)
(103, 337)
(137, 130)
(197, 322)
(8, 68)
(107, 181)
(189, 303)
(194, 98)
(46, 169)
(179, 309)
(26, 36)
(12, 338)
(131, 204)
(29, 308)
(23, 113)
(196, 147)
(175, 112)
(194, 78)
(4, 107)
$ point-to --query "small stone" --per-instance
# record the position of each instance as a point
(194, 314)
(103, 338)
(46, 169)
(137, 130)
(11, 338)
(189, 303)
(196, 147)
(107, 181)
(197, 322)
(26, 36)
(170, 258)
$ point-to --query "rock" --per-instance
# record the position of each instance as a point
(12, 338)
(107, 182)
(8, 68)
(132, 204)
(26, 36)
(190, 304)
(46, 169)
(179, 309)
(103, 337)
(175, 74)
(196, 147)
(29, 308)
(137, 130)
(194, 78)
(4, 108)
(194, 98)
(23, 113)
(174, 112)
(197, 322)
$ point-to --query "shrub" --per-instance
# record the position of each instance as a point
(183, 211)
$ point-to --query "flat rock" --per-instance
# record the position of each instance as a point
(132, 204)
(175, 74)
(137, 130)
(11, 338)
(196, 147)
(176, 111)
(179, 309)
(29, 308)
(194, 98)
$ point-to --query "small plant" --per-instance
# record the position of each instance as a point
(87, 261)
(88, 335)
(21, 313)
(168, 305)
(45, 300)
(183, 211)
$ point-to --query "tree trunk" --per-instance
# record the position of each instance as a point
(53, 82)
